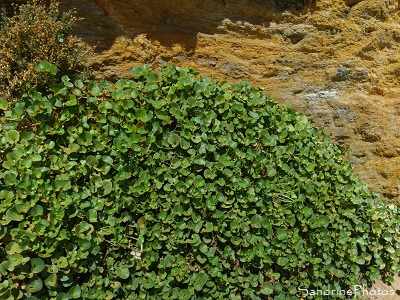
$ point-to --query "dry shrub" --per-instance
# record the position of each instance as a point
(37, 31)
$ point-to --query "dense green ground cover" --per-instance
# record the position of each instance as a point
(172, 186)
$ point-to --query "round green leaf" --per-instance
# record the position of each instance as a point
(10, 179)
(185, 294)
(51, 281)
(148, 283)
(85, 138)
(282, 261)
(3, 104)
(168, 260)
(200, 280)
(175, 163)
(13, 214)
(13, 247)
(5, 267)
(35, 286)
(75, 292)
(267, 288)
(271, 172)
(174, 140)
(95, 90)
(256, 221)
(46, 67)
(140, 114)
(92, 161)
(12, 136)
(37, 265)
(123, 272)
(61, 262)
(37, 210)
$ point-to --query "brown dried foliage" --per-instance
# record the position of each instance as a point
(37, 31)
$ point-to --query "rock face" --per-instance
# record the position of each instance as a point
(204, 15)
(337, 61)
